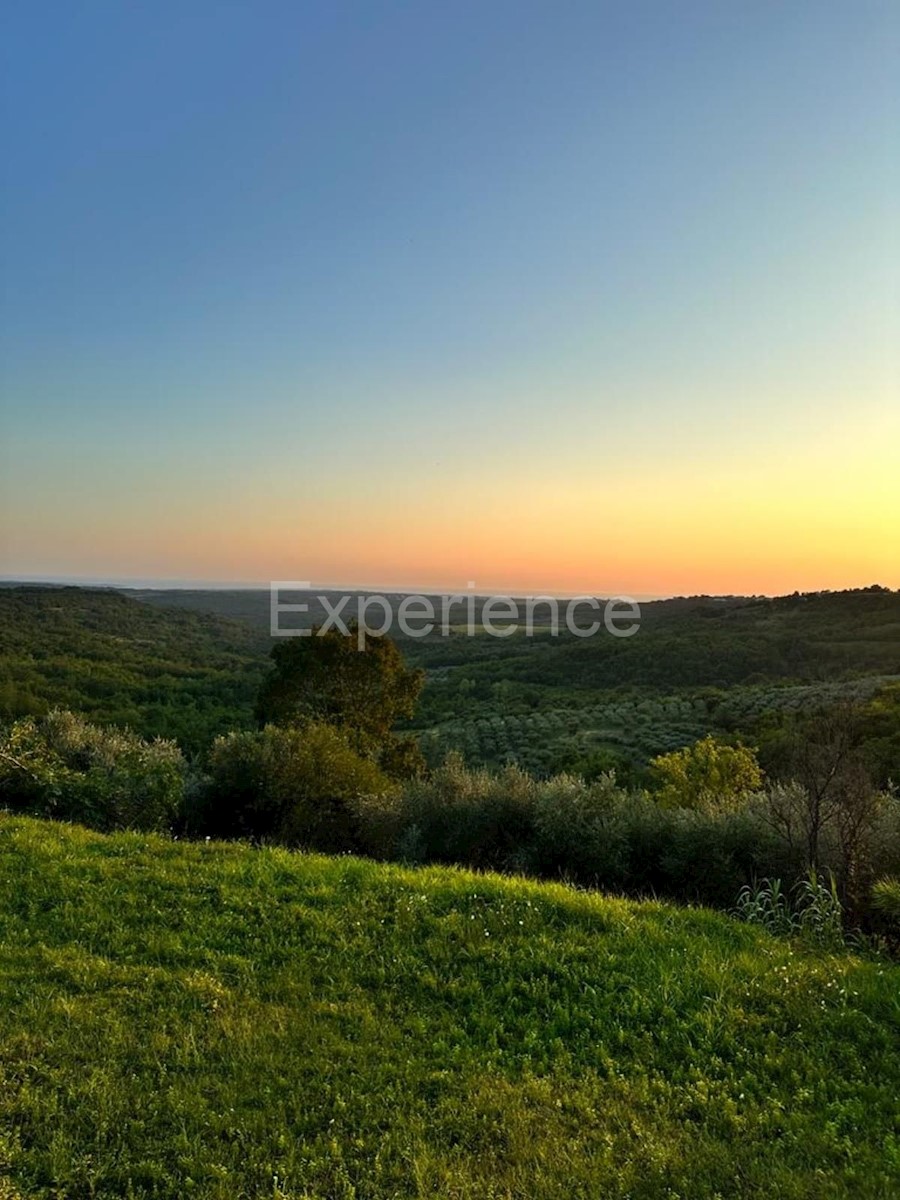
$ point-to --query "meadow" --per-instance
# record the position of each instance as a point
(216, 1021)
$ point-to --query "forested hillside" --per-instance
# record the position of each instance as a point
(187, 665)
(163, 671)
(683, 642)
(698, 665)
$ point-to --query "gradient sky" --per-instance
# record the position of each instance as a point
(545, 296)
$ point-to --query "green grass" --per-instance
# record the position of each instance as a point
(184, 1020)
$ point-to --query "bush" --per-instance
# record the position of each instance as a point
(470, 816)
(708, 856)
(454, 815)
(710, 776)
(601, 835)
(581, 831)
(61, 766)
(294, 786)
(596, 835)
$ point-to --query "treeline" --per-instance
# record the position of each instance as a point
(307, 786)
(164, 667)
(693, 642)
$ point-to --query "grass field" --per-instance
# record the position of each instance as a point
(190, 1020)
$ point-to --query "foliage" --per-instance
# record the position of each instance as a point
(886, 898)
(767, 905)
(821, 912)
(363, 686)
(61, 766)
(163, 672)
(598, 834)
(581, 831)
(289, 785)
(474, 817)
(329, 677)
(831, 810)
(552, 708)
(708, 776)
(825, 758)
(187, 665)
(815, 915)
(182, 1019)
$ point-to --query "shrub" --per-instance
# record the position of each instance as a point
(466, 816)
(710, 776)
(580, 830)
(597, 835)
(707, 856)
(292, 785)
(63, 767)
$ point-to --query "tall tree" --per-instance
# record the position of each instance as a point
(328, 677)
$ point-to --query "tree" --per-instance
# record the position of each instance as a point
(710, 776)
(364, 692)
(835, 795)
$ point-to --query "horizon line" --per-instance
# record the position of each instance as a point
(126, 583)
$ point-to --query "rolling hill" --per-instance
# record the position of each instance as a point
(187, 665)
(163, 671)
(216, 1021)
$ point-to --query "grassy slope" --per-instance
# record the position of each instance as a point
(187, 1020)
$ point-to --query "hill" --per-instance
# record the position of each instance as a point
(163, 671)
(699, 641)
(216, 1021)
(698, 665)
(187, 664)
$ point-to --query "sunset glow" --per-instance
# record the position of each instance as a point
(610, 307)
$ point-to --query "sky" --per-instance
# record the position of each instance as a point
(561, 297)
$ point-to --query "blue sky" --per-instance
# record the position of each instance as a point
(399, 293)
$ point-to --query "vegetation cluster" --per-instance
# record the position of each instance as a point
(188, 1007)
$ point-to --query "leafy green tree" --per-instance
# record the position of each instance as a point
(363, 691)
(710, 776)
